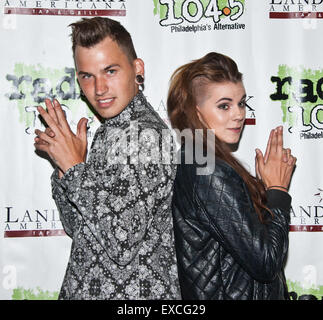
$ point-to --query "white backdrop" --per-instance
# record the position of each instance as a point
(276, 46)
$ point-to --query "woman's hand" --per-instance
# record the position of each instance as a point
(275, 169)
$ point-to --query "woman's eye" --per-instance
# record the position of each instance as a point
(242, 104)
(223, 106)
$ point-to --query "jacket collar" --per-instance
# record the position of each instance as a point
(128, 113)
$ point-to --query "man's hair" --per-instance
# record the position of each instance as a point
(89, 32)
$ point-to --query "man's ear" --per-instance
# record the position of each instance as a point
(139, 66)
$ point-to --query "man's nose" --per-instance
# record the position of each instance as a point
(101, 86)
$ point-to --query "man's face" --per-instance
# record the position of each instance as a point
(107, 77)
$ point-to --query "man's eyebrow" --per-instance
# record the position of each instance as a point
(105, 69)
(111, 66)
(83, 72)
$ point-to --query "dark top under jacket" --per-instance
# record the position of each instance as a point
(223, 251)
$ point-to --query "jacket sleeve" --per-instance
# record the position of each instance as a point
(228, 214)
(68, 212)
(118, 202)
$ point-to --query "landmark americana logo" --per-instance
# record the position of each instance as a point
(308, 217)
(32, 223)
(250, 112)
(82, 8)
(296, 9)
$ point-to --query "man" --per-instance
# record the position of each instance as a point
(118, 214)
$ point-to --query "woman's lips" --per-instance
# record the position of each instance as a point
(235, 130)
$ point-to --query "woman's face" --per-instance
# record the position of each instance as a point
(223, 110)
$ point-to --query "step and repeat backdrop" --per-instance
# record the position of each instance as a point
(277, 45)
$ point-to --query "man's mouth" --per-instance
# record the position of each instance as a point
(105, 102)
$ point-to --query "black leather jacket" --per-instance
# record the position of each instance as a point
(223, 251)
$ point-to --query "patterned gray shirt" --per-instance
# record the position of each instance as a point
(116, 207)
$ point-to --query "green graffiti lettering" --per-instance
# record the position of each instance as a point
(32, 84)
(279, 95)
(301, 95)
(31, 294)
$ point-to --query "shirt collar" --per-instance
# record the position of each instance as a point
(128, 113)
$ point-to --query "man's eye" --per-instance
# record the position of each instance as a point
(86, 76)
(111, 71)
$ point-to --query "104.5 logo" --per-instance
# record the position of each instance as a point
(175, 12)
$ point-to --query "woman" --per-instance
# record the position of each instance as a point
(231, 229)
